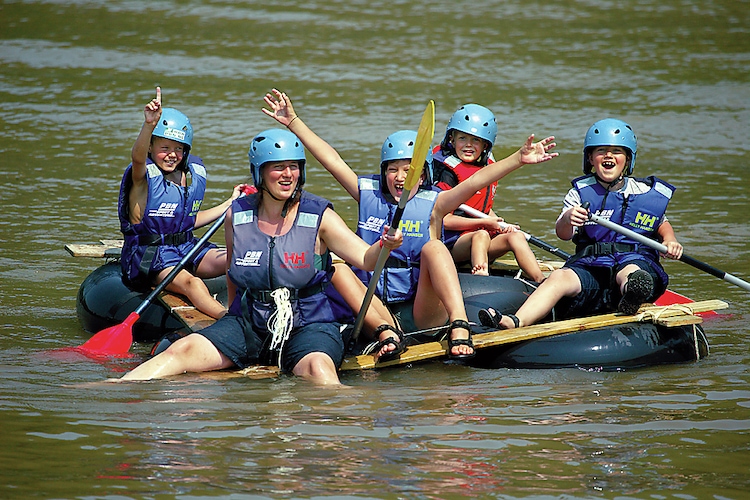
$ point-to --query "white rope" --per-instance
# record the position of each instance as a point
(655, 313)
(281, 321)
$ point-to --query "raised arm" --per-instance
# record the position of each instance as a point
(139, 153)
(282, 111)
(447, 201)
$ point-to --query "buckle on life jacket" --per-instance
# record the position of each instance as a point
(396, 263)
(172, 239)
(265, 295)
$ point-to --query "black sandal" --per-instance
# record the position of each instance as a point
(459, 323)
(400, 345)
(491, 318)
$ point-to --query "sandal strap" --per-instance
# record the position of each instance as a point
(456, 342)
(514, 319)
(385, 327)
(461, 323)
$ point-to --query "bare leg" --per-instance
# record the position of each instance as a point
(439, 296)
(516, 242)
(480, 245)
(353, 291)
(561, 283)
(464, 249)
(317, 367)
(194, 353)
(196, 291)
(213, 264)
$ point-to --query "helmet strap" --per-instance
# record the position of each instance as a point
(289, 202)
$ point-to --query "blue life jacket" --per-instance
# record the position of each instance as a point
(168, 217)
(262, 263)
(401, 273)
(597, 245)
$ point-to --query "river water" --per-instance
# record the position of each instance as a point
(74, 77)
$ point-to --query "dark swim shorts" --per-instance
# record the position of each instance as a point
(598, 292)
(234, 337)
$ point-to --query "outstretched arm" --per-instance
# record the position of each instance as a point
(336, 236)
(139, 153)
(447, 201)
(211, 214)
(283, 112)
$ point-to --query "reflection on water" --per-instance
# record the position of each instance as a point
(74, 78)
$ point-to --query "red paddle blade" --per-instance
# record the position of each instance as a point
(113, 340)
(669, 298)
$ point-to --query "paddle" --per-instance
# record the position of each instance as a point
(119, 338)
(421, 146)
(531, 239)
(663, 249)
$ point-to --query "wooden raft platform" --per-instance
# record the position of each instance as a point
(101, 250)
(670, 316)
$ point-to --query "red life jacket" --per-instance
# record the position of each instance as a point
(481, 200)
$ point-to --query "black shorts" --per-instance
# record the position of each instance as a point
(599, 292)
(234, 337)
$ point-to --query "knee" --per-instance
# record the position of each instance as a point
(480, 237)
(435, 248)
(185, 346)
(317, 367)
(561, 276)
(517, 238)
(195, 284)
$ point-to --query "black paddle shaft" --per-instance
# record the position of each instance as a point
(180, 265)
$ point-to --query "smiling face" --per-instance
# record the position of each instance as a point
(608, 162)
(468, 147)
(396, 172)
(166, 153)
(280, 178)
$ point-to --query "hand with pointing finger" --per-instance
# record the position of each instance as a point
(152, 111)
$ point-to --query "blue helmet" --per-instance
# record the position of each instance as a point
(475, 120)
(275, 144)
(174, 125)
(400, 146)
(610, 132)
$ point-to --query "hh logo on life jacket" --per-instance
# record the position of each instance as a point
(196, 207)
(294, 260)
(411, 227)
(645, 221)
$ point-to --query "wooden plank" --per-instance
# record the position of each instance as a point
(93, 250)
(113, 243)
(433, 350)
(681, 321)
(187, 313)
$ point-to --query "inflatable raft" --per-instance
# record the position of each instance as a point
(607, 342)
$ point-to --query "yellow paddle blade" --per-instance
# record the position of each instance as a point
(421, 147)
